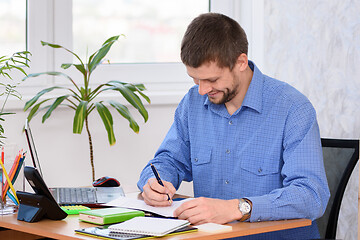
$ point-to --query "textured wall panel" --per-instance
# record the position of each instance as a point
(315, 46)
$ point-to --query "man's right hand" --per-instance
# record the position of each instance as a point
(156, 195)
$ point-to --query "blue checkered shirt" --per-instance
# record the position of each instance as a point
(268, 151)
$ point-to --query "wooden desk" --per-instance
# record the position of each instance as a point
(64, 229)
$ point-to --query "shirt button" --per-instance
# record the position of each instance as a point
(195, 159)
(227, 151)
(226, 181)
(230, 122)
(259, 170)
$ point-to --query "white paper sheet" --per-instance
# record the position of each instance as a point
(141, 205)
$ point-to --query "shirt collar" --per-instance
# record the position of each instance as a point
(253, 97)
(254, 94)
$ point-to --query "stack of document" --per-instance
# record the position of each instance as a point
(141, 227)
(132, 203)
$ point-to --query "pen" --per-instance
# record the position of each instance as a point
(159, 179)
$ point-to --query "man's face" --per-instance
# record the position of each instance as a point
(220, 84)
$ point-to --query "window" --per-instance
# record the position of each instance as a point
(12, 25)
(159, 68)
(153, 29)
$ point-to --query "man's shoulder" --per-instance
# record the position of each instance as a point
(283, 91)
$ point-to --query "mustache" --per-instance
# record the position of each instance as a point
(214, 91)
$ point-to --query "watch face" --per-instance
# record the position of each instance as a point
(245, 208)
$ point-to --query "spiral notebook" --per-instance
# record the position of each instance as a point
(104, 233)
(149, 226)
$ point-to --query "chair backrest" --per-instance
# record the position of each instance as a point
(340, 158)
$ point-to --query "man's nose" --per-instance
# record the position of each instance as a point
(204, 87)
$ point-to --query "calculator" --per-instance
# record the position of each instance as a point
(74, 209)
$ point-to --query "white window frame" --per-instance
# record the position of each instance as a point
(49, 20)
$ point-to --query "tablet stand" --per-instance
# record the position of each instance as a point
(34, 207)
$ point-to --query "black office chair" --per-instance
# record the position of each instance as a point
(340, 158)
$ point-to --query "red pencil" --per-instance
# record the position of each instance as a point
(2, 155)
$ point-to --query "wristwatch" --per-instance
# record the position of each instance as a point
(245, 207)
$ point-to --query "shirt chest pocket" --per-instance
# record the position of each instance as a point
(260, 166)
(201, 156)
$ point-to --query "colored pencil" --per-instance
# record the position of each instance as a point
(11, 175)
(9, 181)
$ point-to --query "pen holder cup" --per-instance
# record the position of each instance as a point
(14, 168)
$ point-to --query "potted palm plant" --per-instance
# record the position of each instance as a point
(84, 100)
(15, 62)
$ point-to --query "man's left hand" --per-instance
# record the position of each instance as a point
(203, 210)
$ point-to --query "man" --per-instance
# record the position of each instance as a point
(250, 143)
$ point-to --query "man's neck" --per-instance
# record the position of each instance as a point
(236, 102)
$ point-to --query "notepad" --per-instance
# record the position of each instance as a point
(149, 226)
(214, 227)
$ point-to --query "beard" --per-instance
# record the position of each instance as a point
(228, 94)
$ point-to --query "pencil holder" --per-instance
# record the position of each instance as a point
(11, 170)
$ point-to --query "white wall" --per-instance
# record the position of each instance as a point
(315, 46)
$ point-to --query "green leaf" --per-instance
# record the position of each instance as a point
(51, 45)
(56, 103)
(101, 53)
(132, 98)
(144, 96)
(66, 65)
(83, 92)
(124, 111)
(59, 46)
(35, 109)
(45, 73)
(6, 113)
(20, 69)
(81, 68)
(135, 87)
(107, 120)
(31, 102)
(93, 93)
(6, 75)
(79, 117)
(52, 74)
(140, 86)
(91, 57)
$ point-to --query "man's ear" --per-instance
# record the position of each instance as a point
(242, 62)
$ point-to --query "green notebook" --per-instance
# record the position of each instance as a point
(109, 215)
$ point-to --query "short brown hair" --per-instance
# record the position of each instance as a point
(213, 37)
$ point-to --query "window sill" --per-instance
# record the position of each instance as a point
(156, 97)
